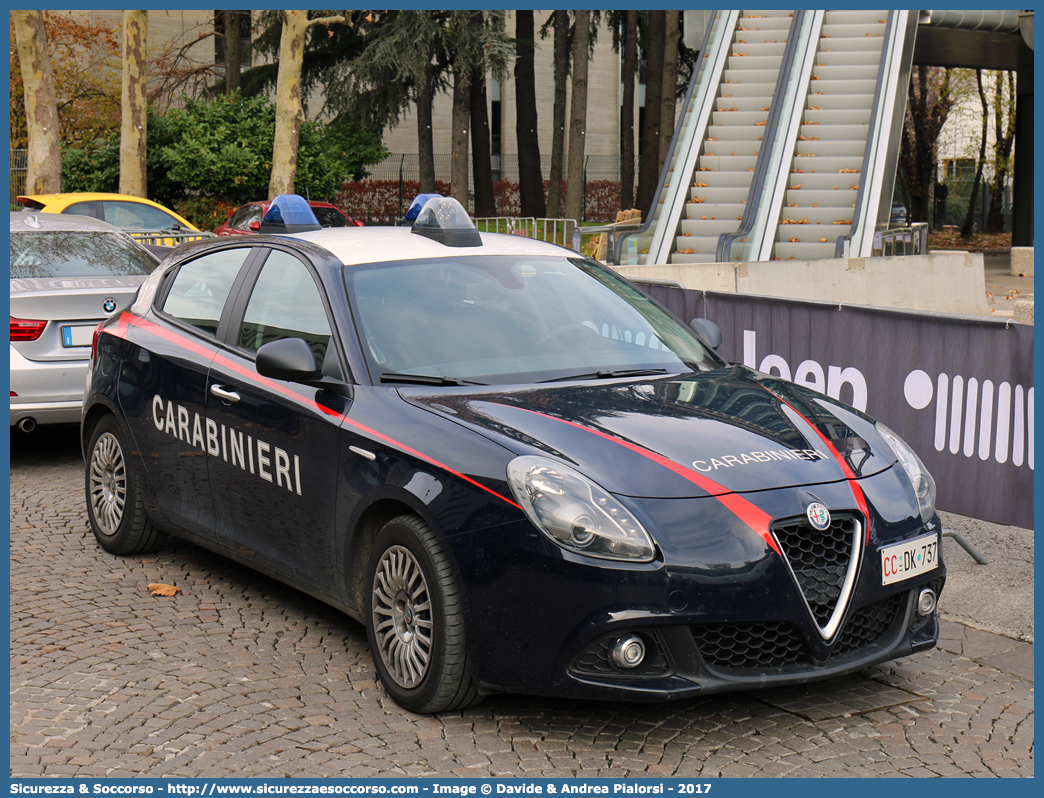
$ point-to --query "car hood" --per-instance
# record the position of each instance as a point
(731, 430)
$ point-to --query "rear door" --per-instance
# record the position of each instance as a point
(164, 383)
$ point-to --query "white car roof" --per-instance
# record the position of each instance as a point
(355, 245)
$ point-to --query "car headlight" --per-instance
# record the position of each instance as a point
(575, 513)
(924, 485)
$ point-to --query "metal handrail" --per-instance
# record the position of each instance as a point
(725, 240)
(652, 218)
(871, 153)
(669, 218)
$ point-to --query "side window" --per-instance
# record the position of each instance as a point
(137, 215)
(83, 209)
(285, 303)
(201, 287)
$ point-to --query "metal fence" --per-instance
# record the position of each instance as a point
(556, 231)
(601, 182)
(406, 166)
(19, 168)
(912, 240)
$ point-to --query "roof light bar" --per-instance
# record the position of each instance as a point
(444, 219)
(289, 213)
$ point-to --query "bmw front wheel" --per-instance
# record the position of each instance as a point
(414, 620)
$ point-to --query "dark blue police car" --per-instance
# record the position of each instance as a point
(514, 468)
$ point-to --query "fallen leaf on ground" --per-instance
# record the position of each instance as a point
(160, 589)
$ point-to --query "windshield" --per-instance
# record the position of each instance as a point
(510, 319)
(77, 254)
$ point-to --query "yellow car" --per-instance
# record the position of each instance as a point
(121, 210)
(145, 220)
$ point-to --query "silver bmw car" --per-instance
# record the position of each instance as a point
(68, 273)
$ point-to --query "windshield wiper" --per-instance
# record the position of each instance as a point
(426, 379)
(608, 375)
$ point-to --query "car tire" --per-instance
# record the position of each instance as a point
(112, 484)
(415, 620)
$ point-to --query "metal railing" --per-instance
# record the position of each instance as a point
(19, 170)
(768, 186)
(404, 169)
(912, 240)
(166, 238)
(611, 231)
(555, 231)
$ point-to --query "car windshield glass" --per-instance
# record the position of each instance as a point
(510, 319)
(330, 217)
(76, 254)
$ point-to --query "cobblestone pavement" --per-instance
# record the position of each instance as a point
(241, 676)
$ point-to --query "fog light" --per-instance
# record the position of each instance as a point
(628, 652)
(926, 602)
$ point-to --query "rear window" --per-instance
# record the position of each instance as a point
(330, 217)
(76, 254)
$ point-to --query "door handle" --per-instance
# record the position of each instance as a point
(221, 393)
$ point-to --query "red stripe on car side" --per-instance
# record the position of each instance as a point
(850, 476)
(253, 376)
(753, 516)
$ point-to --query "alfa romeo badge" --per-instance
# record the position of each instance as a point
(818, 516)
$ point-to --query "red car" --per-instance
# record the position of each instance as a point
(247, 219)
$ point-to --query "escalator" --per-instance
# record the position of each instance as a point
(788, 139)
(729, 150)
(827, 166)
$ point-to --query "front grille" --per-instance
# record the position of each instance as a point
(820, 561)
(776, 644)
(748, 645)
(868, 624)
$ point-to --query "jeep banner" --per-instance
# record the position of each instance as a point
(958, 389)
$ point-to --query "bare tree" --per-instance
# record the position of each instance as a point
(481, 148)
(461, 121)
(134, 118)
(1003, 139)
(44, 175)
(931, 97)
(530, 177)
(630, 69)
(969, 219)
(649, 161)
(233, 56)
(425, 135)
(289, 106)
(578, 116)
(554, 189)
(669, 93)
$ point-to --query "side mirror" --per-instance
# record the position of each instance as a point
(255, 226)
(708, 331)
(288, 359)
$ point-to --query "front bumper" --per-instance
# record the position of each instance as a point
(719, 611)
